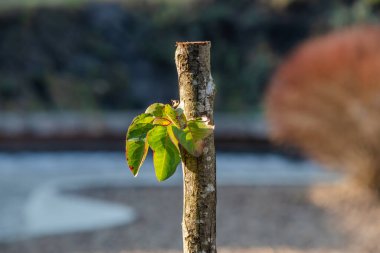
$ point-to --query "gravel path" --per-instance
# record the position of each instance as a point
(33, 181)
(250, 219)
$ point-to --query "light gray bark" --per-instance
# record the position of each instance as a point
(197, 92)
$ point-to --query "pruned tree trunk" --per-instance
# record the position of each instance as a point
(197, 92)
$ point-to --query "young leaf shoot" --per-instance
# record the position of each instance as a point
(163, 128)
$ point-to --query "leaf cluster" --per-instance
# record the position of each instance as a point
(164, 129)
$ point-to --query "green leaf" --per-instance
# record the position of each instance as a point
(171, 114)
(136, 146)
(138, 131)
(172, 137)
(165, 155)
(136, 151)
(191, 137)
(163, 128)
(142, 118)
(156, 109)
(186, 139)
(161, 121)
(140, 126)
(200, 128)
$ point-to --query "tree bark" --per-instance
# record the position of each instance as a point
(197, 92)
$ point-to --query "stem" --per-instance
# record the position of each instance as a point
(197, 92)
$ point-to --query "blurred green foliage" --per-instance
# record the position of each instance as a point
(113, 55)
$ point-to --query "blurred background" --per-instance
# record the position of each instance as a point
(73, 74)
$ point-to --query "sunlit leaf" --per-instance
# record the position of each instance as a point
(161, 122)
(156, 109)
(140, 126)
(136, 146)
(185, 138)
(171, 114)
(200, 129)
(165, 155)
(138, 131)
(136, 151)
(172, 137)
(164, 128)
(142, 118)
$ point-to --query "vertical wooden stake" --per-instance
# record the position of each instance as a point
(197, 92)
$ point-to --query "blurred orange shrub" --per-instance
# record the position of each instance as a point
(325, 99)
